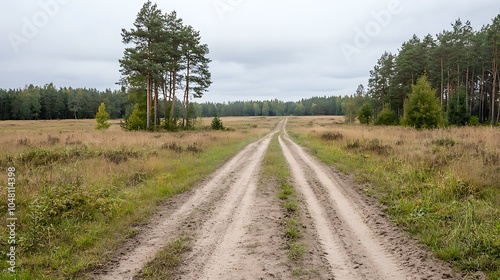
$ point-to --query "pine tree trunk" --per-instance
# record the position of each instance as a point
(458, 84)
(148, 105)
(165, 96)
(442, 82)
(498, 108)
(172, 108)
(156, 104)
(467, 86)
(493, 92)
(186, 96)
(481, 97)
(448, 93)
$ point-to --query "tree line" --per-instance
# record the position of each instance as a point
(331, 105)
(461, 65)
(48, 103)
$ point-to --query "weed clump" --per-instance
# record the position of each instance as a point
(24, 142)
(373, 145)
(296, 250)
(51, 140)
(120, 155)
(329, 136)
(194, 148)
(352, 145)
(444, 142)
(490, 158)
(163, 266)
(377, 147)
(172, 146)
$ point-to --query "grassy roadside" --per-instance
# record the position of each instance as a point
(81, 193)
(443, 187)
(275, 169)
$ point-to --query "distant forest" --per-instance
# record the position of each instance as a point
(48, 103)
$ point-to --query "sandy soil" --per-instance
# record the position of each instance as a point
(359, 241)
(234, 221)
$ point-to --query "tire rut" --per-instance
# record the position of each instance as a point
(236, 172)
(218, 252)
(358, 241)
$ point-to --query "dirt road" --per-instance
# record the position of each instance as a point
(234, 220)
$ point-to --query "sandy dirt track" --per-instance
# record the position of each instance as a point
(234, 221)
(359, 242)
(237, 181)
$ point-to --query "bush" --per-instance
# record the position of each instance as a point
(387, 116)
(136, 120)
(102, 117)
(422, 110)
(365, 113)
(473, 121)
(217, 124)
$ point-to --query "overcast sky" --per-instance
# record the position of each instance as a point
(285, 49)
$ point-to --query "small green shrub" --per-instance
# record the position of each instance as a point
(365, 113)
(473, 121)
(217, 124)
(136, 120)
(387, 116)
(102, 117)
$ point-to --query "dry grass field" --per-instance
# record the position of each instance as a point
(81, 192)
(443, 186)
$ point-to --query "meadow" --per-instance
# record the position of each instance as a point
(442, 186)
(80, 192)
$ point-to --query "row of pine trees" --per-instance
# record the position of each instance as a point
(162, 57)
(461, 64)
